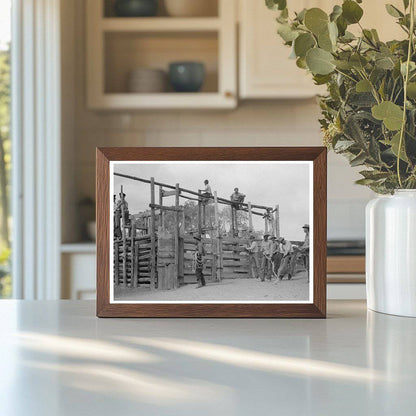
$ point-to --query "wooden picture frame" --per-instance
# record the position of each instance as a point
(316, 308)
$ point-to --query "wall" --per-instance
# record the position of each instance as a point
(264, 123)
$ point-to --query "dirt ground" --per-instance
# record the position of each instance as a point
(296, 289)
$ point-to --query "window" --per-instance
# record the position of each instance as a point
(5, 148)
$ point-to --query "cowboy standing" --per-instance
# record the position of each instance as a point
(303, 251)
(199, 261)
(285, 262)
(266, 258)
(253, 250)
(276, 254)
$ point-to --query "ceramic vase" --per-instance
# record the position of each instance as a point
(391, 253)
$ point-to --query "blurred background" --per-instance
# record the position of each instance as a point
(99, 73)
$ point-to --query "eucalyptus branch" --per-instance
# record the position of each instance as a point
(406, 80)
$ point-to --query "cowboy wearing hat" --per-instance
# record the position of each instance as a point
(199, 261)
(276, 255)
(285, 261)
(253, 258)
(301, 251)
(266, 261)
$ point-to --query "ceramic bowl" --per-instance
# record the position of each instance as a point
(147, 80)
(136, 8)
(186, 76)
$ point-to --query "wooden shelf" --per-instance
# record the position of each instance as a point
(163, 101)
(346, 264)
(159, 24)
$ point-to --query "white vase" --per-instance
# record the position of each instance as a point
(391, 253)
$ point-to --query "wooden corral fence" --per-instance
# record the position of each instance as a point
(132, 262)
(154, 258)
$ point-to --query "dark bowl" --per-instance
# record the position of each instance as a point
(186, 76)
(136, 8)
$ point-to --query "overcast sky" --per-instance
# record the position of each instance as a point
(265, 183)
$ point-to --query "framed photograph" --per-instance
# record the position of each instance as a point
(211, 232)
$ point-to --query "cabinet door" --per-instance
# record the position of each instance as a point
(265, 68)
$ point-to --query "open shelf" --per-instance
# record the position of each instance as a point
(116, 46)
(160, 24)
(127, 51)
(211, 9)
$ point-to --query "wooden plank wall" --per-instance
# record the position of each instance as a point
(234, 263)
(133, 260)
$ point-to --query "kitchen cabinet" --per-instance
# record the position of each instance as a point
(118, 45)
(265, 70)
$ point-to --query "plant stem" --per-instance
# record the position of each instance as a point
(406, 80)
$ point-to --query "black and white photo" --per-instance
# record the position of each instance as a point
(211, 232)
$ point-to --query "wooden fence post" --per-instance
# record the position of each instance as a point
(232, 229)
(218, 238)
(277, 222)
(152, 236)
(250, 217)
(132, 235)
(161, 215)
(176, 284)
(199, 214)
(116, 264)
(266, 223)
(136, 264)
(123, 233)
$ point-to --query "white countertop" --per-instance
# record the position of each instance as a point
(56, 358)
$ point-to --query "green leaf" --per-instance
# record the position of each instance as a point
(276, 4)
(358, 61)
(347, 37)
(411, 90)
(342, 25)
(303, 43)
(391, 114)
(358, 160)
(316, 20)
(286, 32)
(393, 11)
(321, 79)
(394, 145)
(375, 35)
(364, 181)
(343, 145)
(325, 43)
(351, 11)
(343, 65)
(319, 61)
(385, 63)
(301, 63)
(336, 12)
(363, 86)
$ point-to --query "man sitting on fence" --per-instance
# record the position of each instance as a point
(207, 193)
(284, 267)
(237, 198)
(199, 261)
